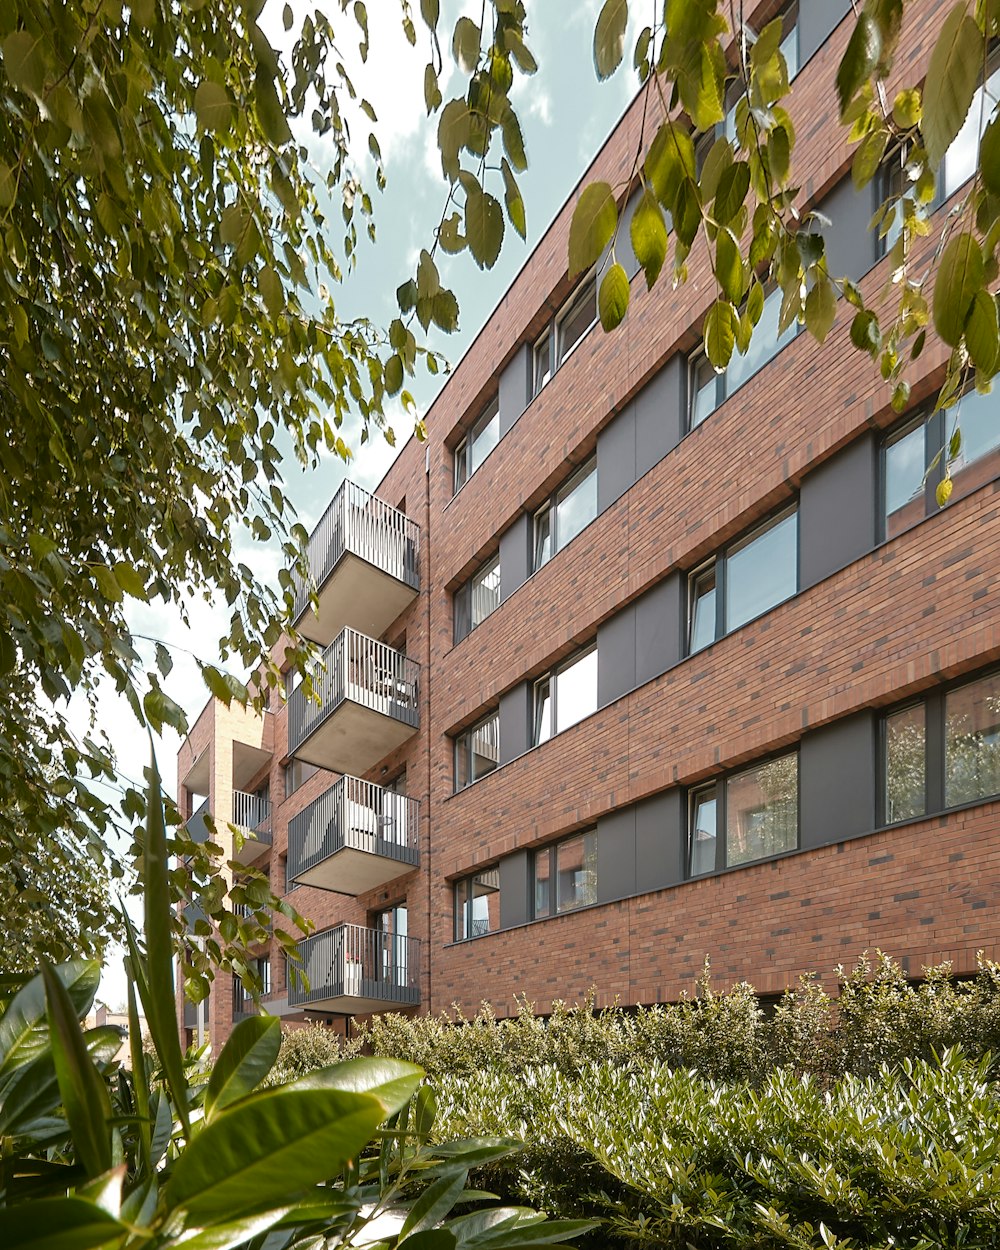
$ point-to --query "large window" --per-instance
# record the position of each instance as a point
(477, 444)
(707, 389)
(574, 320)
(477, 751)
(477, 598)
(564, 696)
(913, 460)
(565, 875)
(745, 580)
(297, 773)
(569, 511)
(943, 751)
(756, 811)
(477, 904)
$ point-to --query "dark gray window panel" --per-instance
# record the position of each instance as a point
(837, 512)
(515, 387)
(851, 248)
(659, 415)
(659, 628)
(616, 875)
(837, 781)
(660, 834)
(818, 19)
(514, 889)
(616, 458)
(515, 710)
(515, 553)
(616, 656)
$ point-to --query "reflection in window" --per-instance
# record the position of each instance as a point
(477, 751)
(479, 597)
(702, 839)
(543, 876)
(572, 509)
(762, 572)
(703, 385)
(904, 480)
(972, 742)
(478, 443)
(762, 811)
(905, 764)
(565, 696)
(978, 460)
(701, 629)
(559, 339)
(963, 155)
(477, 905)
(572, 865)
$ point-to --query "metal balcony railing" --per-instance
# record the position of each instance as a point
(352, 962)
(358, 815)
(253, 813)
(368, 527)
(195, 823)
(359, 669)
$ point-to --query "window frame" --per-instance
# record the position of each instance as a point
(465, 886)
(463, 600)
(719, 562)
(549, 341)
(550, 511)
(463, 742)
(551, 680)
(463, 454)
(551, 852)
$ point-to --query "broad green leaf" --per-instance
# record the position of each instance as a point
(454, 132)
(465, 44)
(907, 109)
(960, 274)
(23, 1026)
(612, 297)
(59, 1224)
(246, 1059)
(130, 580)
(859, 60)
(720, 334)
(390, 1080)
(942, 492)
(140, 1081)
(989, 157)
(734, 183)
(24, 61)
(434, 1204)
(270, 113)
(81, 1087)
(729, 266)
(687, 212)
(232, 1233)
(513, 141)
(432, 89)
(755, 301)
(483, 227)
(512, 200)
(821, 309)
(609, 37)
(648, 235)
(669, 162)
(982, 336)
(392, 376)
(952, 75)
(868, 157)
(594, 220)
(213, 106)
(865, 332)
(430, 11)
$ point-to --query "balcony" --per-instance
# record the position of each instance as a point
(367, 706)
(355, 971)
(195, 825)
(252, 816)
(363, 559)
(354, 838)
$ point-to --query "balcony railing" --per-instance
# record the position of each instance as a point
(195, 823)
(373, 833)
(253, 813)
(358, 671)
(362, 525)
(354, 970)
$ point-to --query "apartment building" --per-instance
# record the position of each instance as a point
(632, 663)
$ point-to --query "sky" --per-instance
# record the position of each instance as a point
(565, 115)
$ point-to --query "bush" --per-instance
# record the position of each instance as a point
(304, 1050)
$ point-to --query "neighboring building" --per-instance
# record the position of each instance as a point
(632, 664)
(101, 1016)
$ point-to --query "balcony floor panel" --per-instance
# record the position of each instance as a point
(251, 849)
(357, 594)
(361, 1005)
(353, 739)
(352, 871)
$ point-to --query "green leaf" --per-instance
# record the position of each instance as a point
(270, 114)
(23, 1030)
(81, 1087)
(734, 183)
(24, 61)
(868, 157)
(729, 266)
(821, 309)
(648, 235)
(390, 1080)
(907, 109)
(392, 376)
(609, 37)
(246, 1059)
(212, 106)
(989, 157)
(612, 297)
(434, 1204)
(513, 141)
(512, 200)
(594, 220)
(865, 332)
(720, 334)
(960, 274)
(430, 11)
(982, 335)
(669, 162)
(432, 89)
(107, 583)
(59, 1224)
(860, 58)
(483, 227)
(454, 133)
(942, 492)
(130, 580)
(465, 44)
(952, 76)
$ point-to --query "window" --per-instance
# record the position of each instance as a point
(754, 574)
(575, 318)
(477, 751)
(565, 696)
(477, 444)
(393, 924)
(757, 810)
(943, 751)
(477, 904)
(477, 598)
(570, 510)
(565, 875)
(297, 773)
(708, 389)
(912, 466)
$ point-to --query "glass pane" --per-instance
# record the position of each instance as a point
(463, 622)
(581, 316)
(543, 538)
(762, 811)
(961, 158)
(905, 764)
(485, 750)
(762, 573)
(463, 911)
(576, 505)
(542, 727)
(576, 691)
(978, 459)
(486, 592)
(576, 872)
(764, 344)
(542, 363)
(542, 871)
(789, 46)
(702, 843)
(461, 464)
(462, 776)
(904, 482)
(702, 630)
(972, 742)
(704, 384)
(485, 903)
(485, 436)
